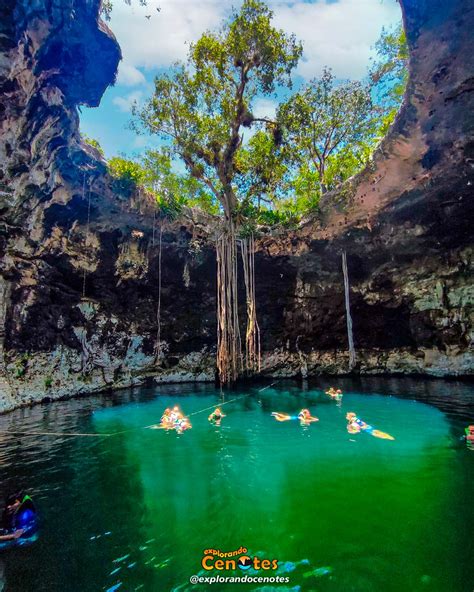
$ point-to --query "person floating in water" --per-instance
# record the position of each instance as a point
(334, 394)
(216, 416)
(174, 419)
(18, 518)
(304, 417)
(356, 425)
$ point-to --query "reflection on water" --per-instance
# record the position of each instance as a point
(135, 511)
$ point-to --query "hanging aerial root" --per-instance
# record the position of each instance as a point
(252, 335)
(229, 346)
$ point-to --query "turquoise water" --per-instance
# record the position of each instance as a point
(339, 512)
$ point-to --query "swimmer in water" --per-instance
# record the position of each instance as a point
(282, 416)
(18, 517)
(356, 425)
(304, 417)
(176, 413)
(182, 424)
(334, 394)
(165, 418)
(174, 419)
(216, 416)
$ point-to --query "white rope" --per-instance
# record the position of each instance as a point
(105, 435)
(61, 434)
(158, 306)
(350, 336)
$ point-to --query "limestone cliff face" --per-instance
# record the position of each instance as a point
(79, 261)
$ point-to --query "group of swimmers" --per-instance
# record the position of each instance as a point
(355, 425)
(174, 419)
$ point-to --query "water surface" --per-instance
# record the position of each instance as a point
(339, 512)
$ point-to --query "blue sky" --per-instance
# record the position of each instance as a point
(335, 33)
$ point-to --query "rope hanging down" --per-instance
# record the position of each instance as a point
(350, 336)
(158, 306)
(84, 276)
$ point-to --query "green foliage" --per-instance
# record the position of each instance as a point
(128, 173)
(94, 143)
(21, 365)
(323, 134)
(261, 168)
(389, 74)
(174, 190)
(329, 127)
(202, 107)
(155, 173)
(48, 382)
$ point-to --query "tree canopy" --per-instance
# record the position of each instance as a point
(328, 126)
(202, 108)
(269, 170)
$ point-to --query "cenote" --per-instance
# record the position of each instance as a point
(136, 510)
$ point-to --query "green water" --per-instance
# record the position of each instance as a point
(340, 512)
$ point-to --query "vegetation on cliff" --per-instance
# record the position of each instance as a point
(216, 153)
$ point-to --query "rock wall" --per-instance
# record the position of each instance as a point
(79, 260)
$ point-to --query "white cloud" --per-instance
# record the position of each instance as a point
(126, 102)
(163, 38)
(129, 75)
(264, 107)
(337, 34)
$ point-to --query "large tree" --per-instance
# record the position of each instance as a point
(202, 109)
(329, 127)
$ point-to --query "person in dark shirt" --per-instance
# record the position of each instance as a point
(18, 508)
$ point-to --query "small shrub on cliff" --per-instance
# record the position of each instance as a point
(94, 143)
(127, 173)
(21, 365)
